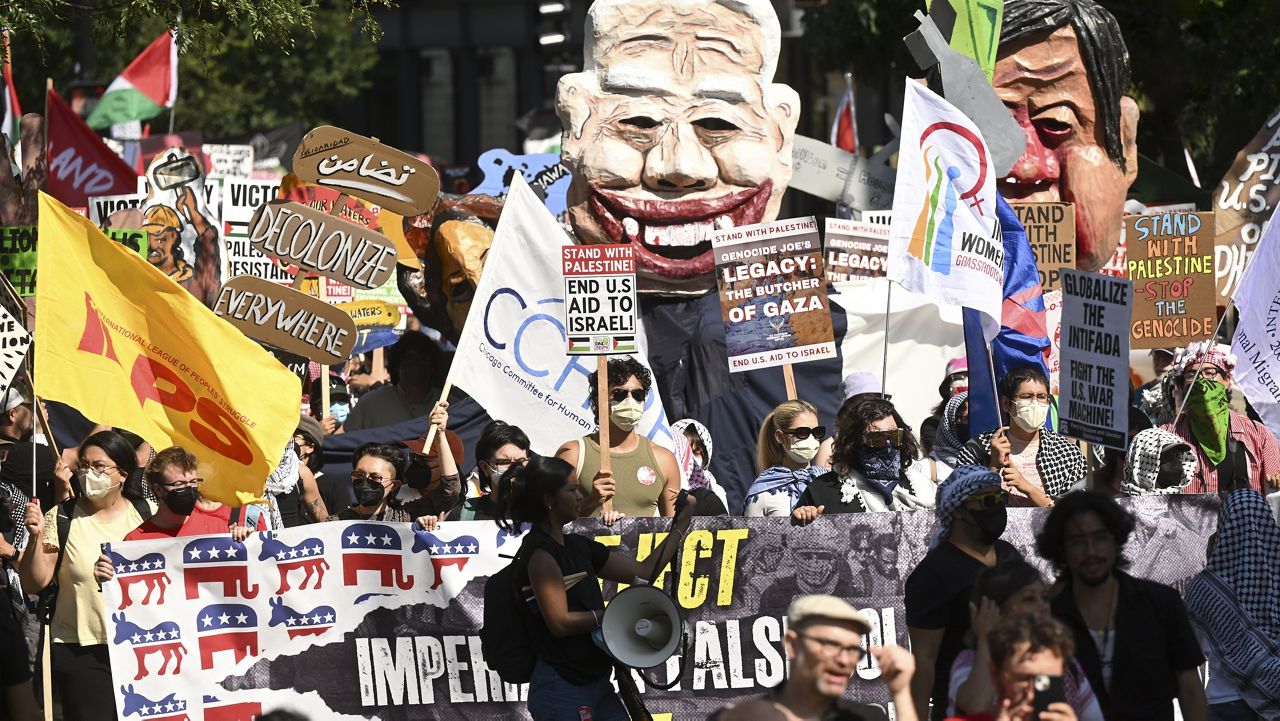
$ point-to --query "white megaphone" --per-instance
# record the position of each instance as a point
(641, 627)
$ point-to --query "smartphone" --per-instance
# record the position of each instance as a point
(1048, 691)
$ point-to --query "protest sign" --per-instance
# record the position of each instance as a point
(371, 313)
(18, 253)
(600, 298)
(229, 161)
(119, 344)
(1053, 325)
(184, 223)
(1051, 231)
(241, 200)
(1095, 358)
(393, 632)
(287, 319)
(314, 241)
(134, 240)
(828, 172)
(1246, 199)
(340, 160)
(544, 172)
(14, 342)
(772, 295)
(102, 206)
(1170, 259)
(855, 250)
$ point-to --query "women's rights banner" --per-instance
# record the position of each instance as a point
(349, 620)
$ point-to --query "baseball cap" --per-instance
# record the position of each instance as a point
(824, 606)
(337, 388)
(957, 365)
(859, 383)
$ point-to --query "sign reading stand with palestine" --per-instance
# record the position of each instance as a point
(1051, 232)
(1095, 358)
(599, 298)
(773, 299)
(856, 250)
(1171, 266)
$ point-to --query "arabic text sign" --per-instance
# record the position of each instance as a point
(855, 250)
(353, 164)
(315, 241)
(599, 298)
(286, 319)
(773, 299)
(1171, 266)
(1095, 358)
(1051, 231)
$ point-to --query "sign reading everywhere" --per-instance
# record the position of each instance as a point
(599, 298)
(1095, 358)
(287, 319)
(1051, 231)
(773, 299)
(1170, 260)
(855, 250)
(340, 160)
(315, 241)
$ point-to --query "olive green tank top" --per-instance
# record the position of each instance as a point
(636, 472)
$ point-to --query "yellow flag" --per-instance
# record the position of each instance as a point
(127, 346)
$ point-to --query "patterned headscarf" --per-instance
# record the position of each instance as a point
(947, 443)
(691, 475)
(1233, 600)
(1215, 354)
(679, 427)
(1142, 464)
(963, 482)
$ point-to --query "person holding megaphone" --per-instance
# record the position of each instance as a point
(558, 574)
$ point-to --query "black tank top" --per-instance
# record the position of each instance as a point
(290, 506)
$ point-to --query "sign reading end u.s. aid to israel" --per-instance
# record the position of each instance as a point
(944, 240)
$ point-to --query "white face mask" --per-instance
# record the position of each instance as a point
(627, 414)
(804, 451)
(494, 476)
(96, 484)
(1030, 415)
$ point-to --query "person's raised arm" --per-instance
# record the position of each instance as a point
(602, 485)
(625, 569)
(897, 668)
(976, 694)
(445, 495)
(208, 256)
(925, 643)
(312, 502)
(38, 560)
(1191, 698)
(549, 590)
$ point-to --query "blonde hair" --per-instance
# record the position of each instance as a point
(769, 452)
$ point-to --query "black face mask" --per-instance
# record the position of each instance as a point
(368, 493)
(990, 522)
(182, 501)
(962, 430)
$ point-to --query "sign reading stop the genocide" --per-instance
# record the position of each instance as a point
(599, 299)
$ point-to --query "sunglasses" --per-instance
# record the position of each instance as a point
(991, 499)
(880, 439)
(637, 394)
(802, 433)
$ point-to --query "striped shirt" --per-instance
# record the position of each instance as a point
(1260, 446)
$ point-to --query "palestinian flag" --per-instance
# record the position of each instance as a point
(12, 113)
(146, 87)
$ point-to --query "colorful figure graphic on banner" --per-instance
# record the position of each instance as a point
(1062, 71)
(676, 128)
(182, 232)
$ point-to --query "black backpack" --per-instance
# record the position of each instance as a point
(47, 599)
(505, 643)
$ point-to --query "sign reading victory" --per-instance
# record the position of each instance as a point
(600, 298)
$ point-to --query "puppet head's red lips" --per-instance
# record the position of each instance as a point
(672, 237)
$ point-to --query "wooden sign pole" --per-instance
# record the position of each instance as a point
(602, 408)
(789, 378)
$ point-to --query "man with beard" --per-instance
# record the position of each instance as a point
(675, 128)
(1062, 71)
(971, 509)
(1132, 636)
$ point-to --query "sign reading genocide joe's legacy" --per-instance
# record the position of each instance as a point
(855, 250)
(773, 297)
(1171, 266)
(1051, 232)
(350, 163)
(316, 241)
(287, 319)
(599, 298)
(1095, 358)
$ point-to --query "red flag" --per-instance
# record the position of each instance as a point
(844, 131)
(80, 164)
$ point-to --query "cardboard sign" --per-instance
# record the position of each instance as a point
(1171, 266)
(242, 198)
(353, 164)
(1051, 231)
(286, 319)
(855, 250)
(1095, 358)
(183, 218)
(315, 241)
(18, 253)
(371, 313)
(1053, 322)
(14, 342)
(229, 161)
(828, 172)
(102, 206)
(773, 299)
(599, 298)
(1246, 199)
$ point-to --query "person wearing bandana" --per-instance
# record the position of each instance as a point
(876, 467)
(1231, 450)
(787, 448)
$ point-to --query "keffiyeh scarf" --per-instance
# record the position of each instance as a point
(963, 482)
(947, 444)
(1142, 464)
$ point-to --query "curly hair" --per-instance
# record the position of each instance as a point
(389, 453)
(769, 452)
(1051, 542)
(1037, 633)
(852, 424)
(620, 369)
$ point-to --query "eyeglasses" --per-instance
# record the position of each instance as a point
(502, 466)
(1037, 397)
(637, 394)
(188, 483)
(358, 476)
(879, 439)
(833, 649)
(1189, 376)
(990, 499)
(1081, 542)
(99, 467)
(802, 432)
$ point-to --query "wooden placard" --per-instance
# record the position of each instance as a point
(1171, 266)
(334, 158)
(316, 241)
(1051, 233)
(287, 319)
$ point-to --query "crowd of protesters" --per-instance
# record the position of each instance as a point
(982, 621)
